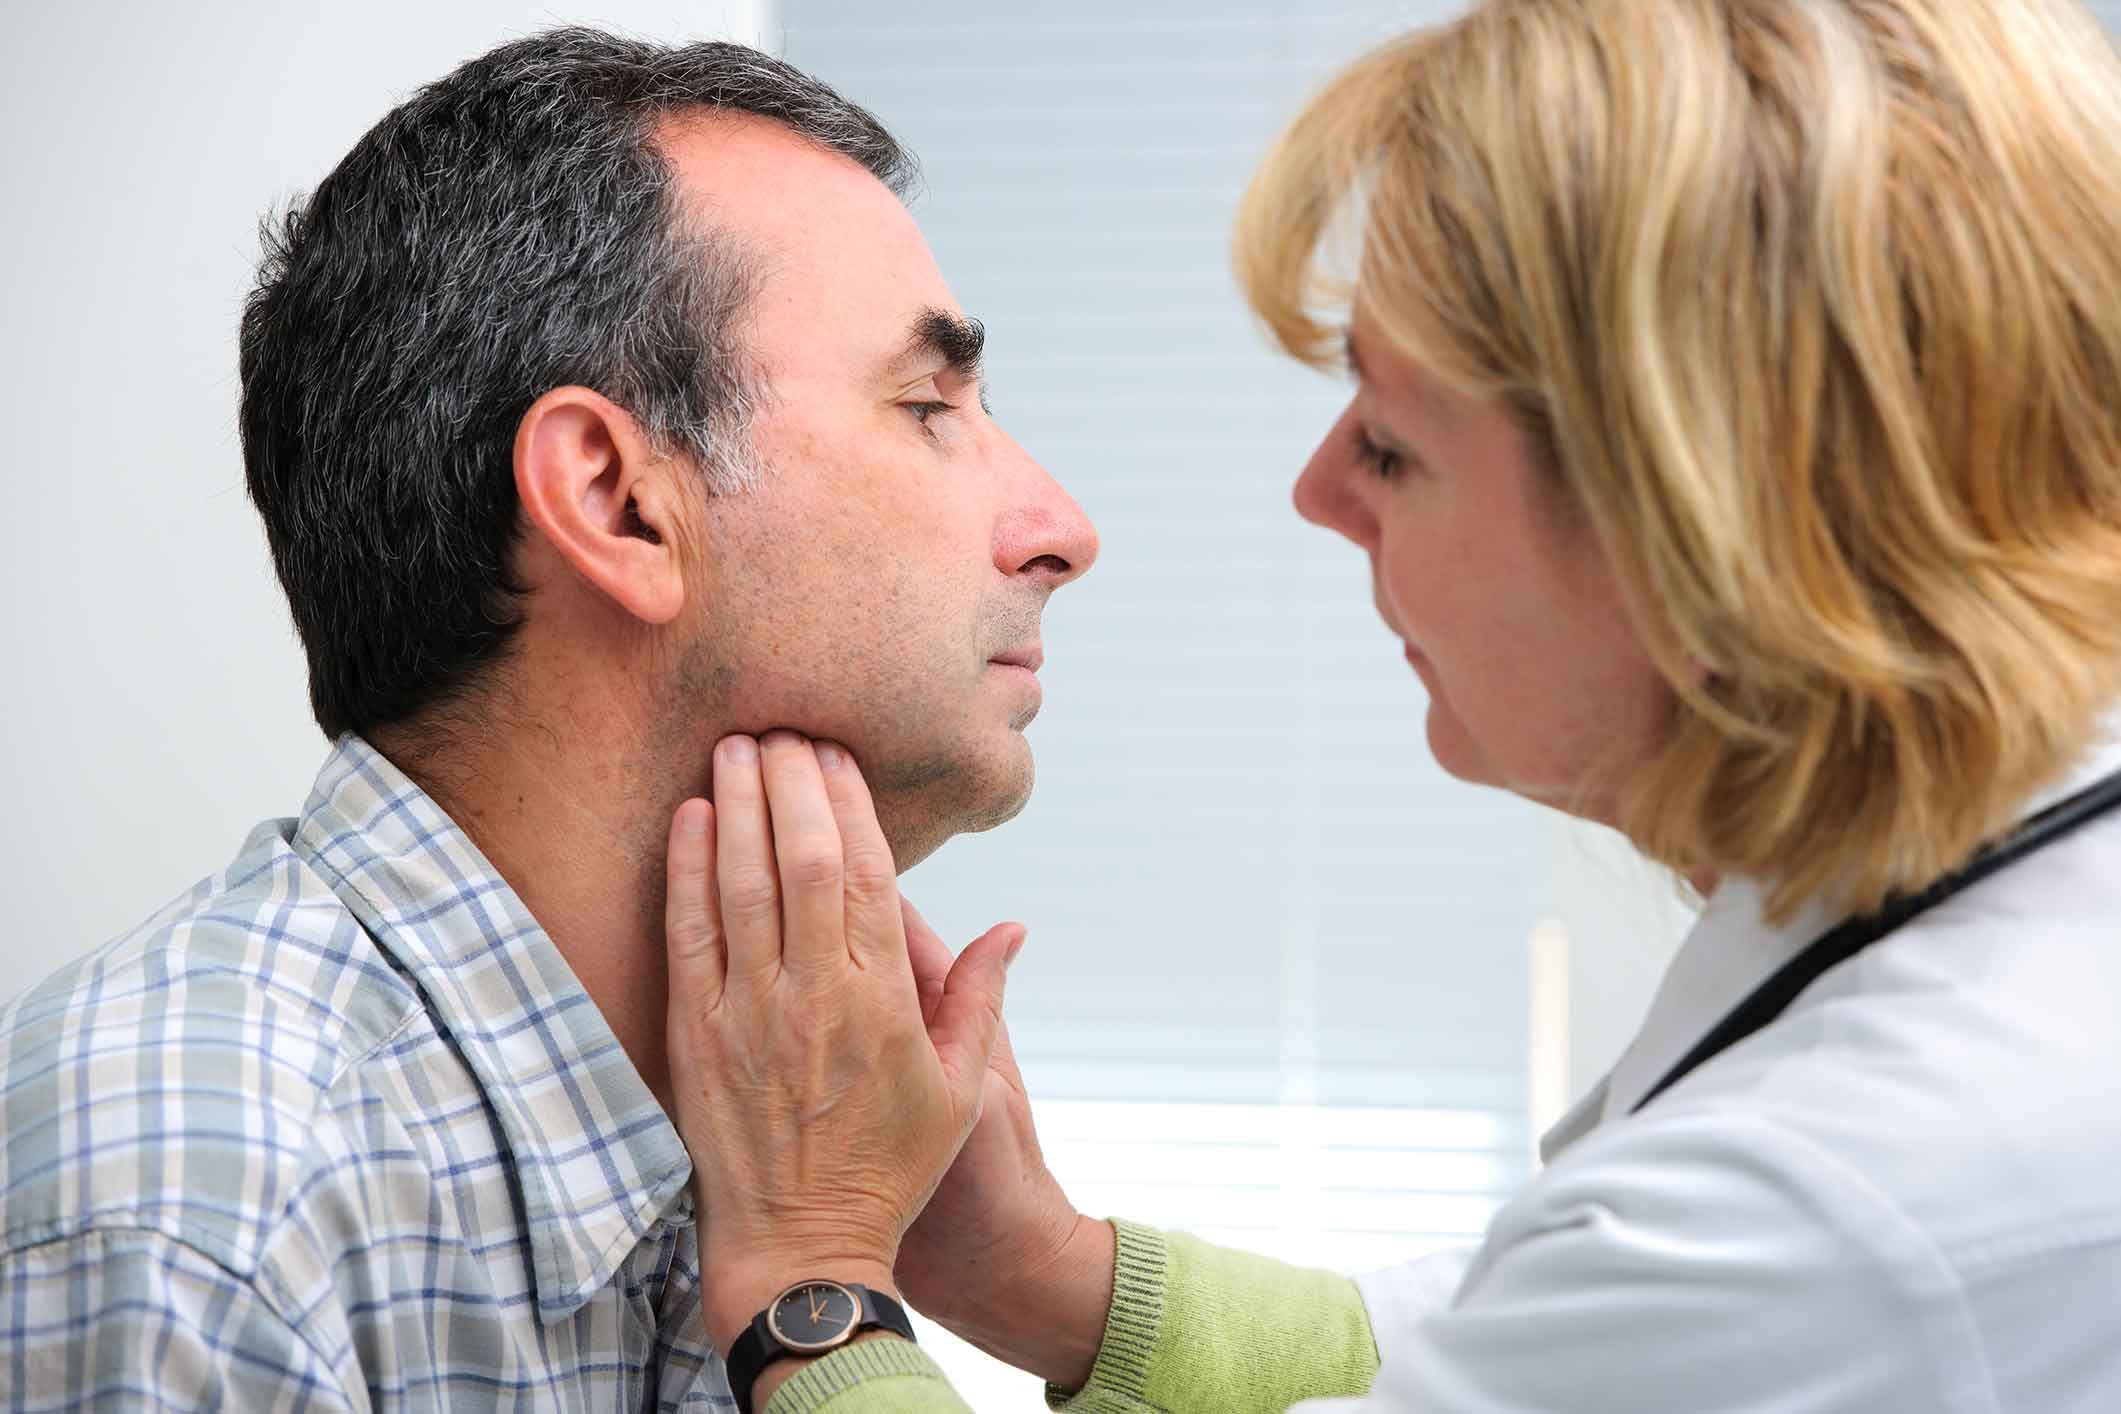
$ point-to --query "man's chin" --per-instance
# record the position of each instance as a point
(966, 799)
(1004, 809)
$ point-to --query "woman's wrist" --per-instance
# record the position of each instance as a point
(1085, 1275)
(1048, 1316)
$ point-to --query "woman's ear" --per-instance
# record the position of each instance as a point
(595, 490)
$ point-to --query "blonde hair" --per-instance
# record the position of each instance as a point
(1814, 308)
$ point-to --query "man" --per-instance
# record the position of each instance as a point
(604, 400)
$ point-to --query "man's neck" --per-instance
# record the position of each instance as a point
(578, 831)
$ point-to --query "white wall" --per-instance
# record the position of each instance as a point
(156, 705)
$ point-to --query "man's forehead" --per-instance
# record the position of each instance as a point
(843, 272)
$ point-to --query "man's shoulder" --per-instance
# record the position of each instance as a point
(177, 1078)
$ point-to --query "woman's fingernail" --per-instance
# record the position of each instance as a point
(828, 756)
(741, 749)
(695, 818)
(1014, 948)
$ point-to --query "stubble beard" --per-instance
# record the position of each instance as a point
(924, 802)
(923, 798)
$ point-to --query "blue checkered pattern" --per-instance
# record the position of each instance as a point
(339, 1130)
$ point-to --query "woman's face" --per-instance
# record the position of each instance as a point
(1509, 611)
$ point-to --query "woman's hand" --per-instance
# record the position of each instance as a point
(1000, 1256)
(819, 1105)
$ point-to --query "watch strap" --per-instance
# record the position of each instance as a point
(881, 1311)
(758, 1347)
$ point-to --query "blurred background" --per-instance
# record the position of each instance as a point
(1288, 986)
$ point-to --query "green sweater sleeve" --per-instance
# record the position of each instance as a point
(870, 1377)
(1193, 1327)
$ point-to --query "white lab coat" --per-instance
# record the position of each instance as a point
(1904, 1194)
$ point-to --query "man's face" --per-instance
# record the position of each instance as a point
(900, 545)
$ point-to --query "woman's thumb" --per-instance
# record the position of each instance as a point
(970, 1013)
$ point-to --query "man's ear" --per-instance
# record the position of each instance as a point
(592, 486)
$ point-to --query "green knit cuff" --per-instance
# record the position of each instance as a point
(819, 1382)
(1117, 1380)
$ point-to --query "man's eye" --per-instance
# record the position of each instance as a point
(923, 411)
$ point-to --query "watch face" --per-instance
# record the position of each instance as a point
(813, 1315)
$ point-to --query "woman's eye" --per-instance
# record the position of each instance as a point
(1382, 462)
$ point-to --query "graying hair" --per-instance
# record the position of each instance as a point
(509, 229)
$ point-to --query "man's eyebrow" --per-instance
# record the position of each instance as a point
(937, 333)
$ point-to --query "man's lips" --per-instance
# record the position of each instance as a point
(1031, 657)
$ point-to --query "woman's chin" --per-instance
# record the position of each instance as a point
(1454, 748)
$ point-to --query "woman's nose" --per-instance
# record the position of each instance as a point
(1324, 494)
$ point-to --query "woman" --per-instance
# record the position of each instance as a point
(1737, 447)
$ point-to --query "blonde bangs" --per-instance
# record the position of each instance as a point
(1339, 201)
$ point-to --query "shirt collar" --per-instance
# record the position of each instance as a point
(1730, 950)
(597, 1159)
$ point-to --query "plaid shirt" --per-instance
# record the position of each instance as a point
(339, 1129)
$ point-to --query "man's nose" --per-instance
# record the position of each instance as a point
(1043, 532)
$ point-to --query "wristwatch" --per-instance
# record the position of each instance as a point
(809, 1318)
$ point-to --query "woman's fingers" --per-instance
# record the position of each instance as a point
(970, 1013)
(806, 848)
(819, 1111)
(744, 873)
(876, 934)
(692, 921)
(930, 957)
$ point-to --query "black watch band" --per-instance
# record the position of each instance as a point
(838, 1312)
